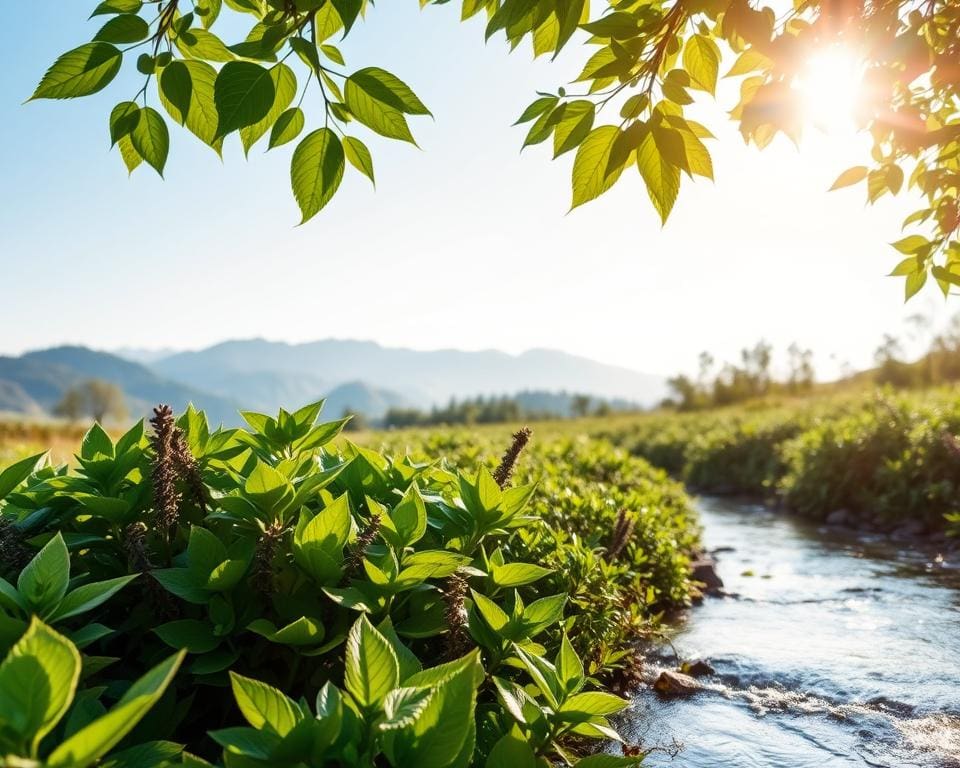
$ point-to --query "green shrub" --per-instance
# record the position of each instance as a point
(364, 609)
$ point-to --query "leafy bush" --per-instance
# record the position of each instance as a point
(363, 609)
(888, 459)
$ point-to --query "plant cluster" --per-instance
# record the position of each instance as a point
(362, 609)
(886, 458)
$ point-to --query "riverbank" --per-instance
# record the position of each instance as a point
(832, 650)
(878, 461)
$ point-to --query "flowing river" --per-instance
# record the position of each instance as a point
(833, 651)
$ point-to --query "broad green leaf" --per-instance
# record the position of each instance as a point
(287, 127)
(284, 89)
(264, 706)
(187, 93)
(126, 28)
(849, 177)
(661, 177)
(911, 245)
(511, 751)
(43, 582)
(592, 175)
(569, 666)
(243, 93)
(89, 596)
(701, 59)
(37, 682)
(517, 574)
(17, 472)
(202, 44)
(372, 669)
(80, 72)
(359, 156)
(151, 139)
(379, 100)
(592, 703)
(316, 171)
(93, 741)
(573, 127)
(492, 614)
(542, 613)
(117, 6)
(123, 119)
(131, 158)
(188, 634)
(410, 517)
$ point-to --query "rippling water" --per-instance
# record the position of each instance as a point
(834, 651)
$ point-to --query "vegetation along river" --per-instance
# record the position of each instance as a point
(833, 651)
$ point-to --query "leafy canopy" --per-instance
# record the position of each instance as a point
(625, 111)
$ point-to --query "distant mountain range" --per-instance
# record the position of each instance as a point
(356, 376)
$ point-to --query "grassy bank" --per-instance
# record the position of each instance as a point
(879, 459)
(281, 596)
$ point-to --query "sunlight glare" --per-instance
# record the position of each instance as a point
(831, 89)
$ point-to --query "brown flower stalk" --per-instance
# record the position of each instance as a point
(364, 540)
(189, 470)
(622, 531)
(454, 594)
(504, 471)
(13, 554)
(262, 576)
(166, 497)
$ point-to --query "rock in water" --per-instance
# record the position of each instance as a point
(676, 684)
(705, 571)
(697, 668)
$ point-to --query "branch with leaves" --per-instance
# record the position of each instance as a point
(649, 55)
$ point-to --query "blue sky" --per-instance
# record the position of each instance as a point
(466, 243)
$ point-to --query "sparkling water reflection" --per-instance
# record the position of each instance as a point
(834, 651)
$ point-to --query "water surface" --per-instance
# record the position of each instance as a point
(834, 652)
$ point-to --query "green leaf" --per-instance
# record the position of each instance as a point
(16, 473)
(89, 596)
(359, 156)
(126, 28)
(511, 751)
(379, 100)
(123, 119)
(287, 127)
(591, 174)
(912, 245)
(542, 613)
(914, 283)
(43, 582)
(264, 706)
(661, 177)
(92, 742)
(372, 669)
(187, 93)
(131, 158)
(201, 44)
(849, 177)
(243, 93)
(492, 614)
(701, 59)
(188, 634)
(151, 139)
(302, 632)
(316, 171)
(284, 89)
(517, 574)
(117, 6)
(592, 703)
(569, 666)
(80, 72)
(38, 679)
(537, 108)
(573, 127)
(410, 517)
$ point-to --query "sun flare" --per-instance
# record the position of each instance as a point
(831, 88)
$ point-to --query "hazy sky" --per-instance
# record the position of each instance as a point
(465, 244)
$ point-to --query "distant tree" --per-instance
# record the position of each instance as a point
(801, 369)
(94, 398)
(358, 421)
(891, 369)
(580, 405)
